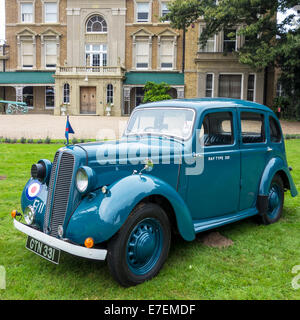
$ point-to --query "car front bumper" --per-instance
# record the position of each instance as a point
(76, 250)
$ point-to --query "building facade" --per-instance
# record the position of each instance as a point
(36, 34)
(91, 78)
(81, 57)
(214, 71)
(153, 51)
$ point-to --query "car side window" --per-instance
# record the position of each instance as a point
(253, 127)
(275, 133)
(217, 129)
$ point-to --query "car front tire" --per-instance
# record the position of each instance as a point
(138, 251)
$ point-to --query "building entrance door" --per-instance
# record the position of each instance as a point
(88, 100)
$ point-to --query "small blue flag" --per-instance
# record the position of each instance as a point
(69, 130)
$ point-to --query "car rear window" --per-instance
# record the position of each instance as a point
(253, 128)
(275, 133)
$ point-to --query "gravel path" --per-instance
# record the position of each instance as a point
(85, 127)
(42, 126)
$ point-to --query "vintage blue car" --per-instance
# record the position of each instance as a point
(182, 166)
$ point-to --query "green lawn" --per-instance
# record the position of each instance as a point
(257, 266)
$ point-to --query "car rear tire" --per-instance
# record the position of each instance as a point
(138, 251)
(275, 202)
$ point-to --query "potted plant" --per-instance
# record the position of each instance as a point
(63, 109)
(108, 109)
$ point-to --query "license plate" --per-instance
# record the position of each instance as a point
(43, 250)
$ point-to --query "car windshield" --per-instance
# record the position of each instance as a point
(176, 122)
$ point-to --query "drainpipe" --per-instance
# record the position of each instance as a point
(265, 85)
(4, 69)
(183, 51)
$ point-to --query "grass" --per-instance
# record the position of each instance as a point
(257, 266)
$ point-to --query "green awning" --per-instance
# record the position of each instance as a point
(27, 77)
(141, 78)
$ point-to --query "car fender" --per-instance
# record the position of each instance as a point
(275, 165)
(101, 216)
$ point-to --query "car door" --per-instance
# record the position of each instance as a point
(254, 152)
(215, 192)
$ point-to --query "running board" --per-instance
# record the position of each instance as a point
(202, 225)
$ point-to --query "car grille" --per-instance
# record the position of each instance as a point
(58, 197)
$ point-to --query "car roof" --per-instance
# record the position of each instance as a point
(206, 103)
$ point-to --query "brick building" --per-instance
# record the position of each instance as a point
(36, 35)
(86, 55)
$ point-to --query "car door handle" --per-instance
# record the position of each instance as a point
(269, 149)
(197, 155)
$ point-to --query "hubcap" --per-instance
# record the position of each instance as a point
(144, 246)
(274, 201)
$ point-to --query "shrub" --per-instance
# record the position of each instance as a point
(23, 140)
(47, 140)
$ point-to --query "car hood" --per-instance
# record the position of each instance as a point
(113, 160)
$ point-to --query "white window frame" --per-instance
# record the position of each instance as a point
(137, 3)
(101, 53)
(111, 91)
(96, 32)
(66, 93)
(213, 84)
(29, 107)
(46, 107)
(236, 41)
(32, 13)
(162, 3)
(148, 51)
(172, 41)
(45, 53)
(45, 2)
(254, 86)
(279, 89)
(233, 74)
(22, 55)
(204, 50)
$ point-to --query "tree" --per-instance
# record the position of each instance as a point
(156, 92)
(268, 42)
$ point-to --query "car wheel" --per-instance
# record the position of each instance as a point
(138, 251)
(275, 202)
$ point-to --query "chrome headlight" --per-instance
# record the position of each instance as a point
(29, 215)
(85, 179)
